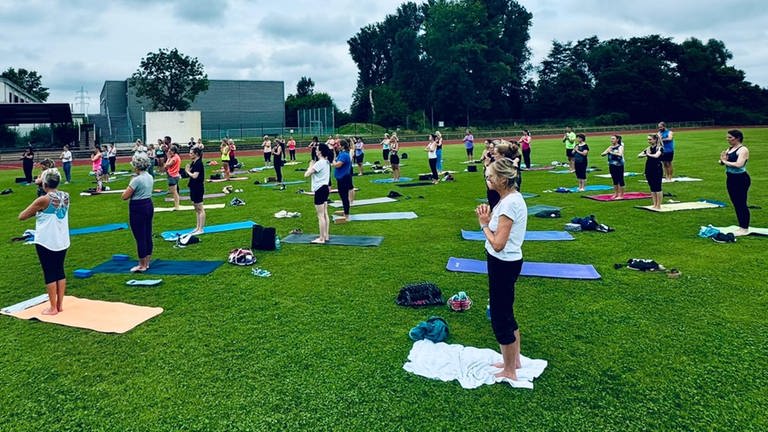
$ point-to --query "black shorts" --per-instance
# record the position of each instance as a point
(321, 195)
(667, 156)
(581, 170)
(569, 153)
(394, 159)
(196, 194)
(470, 151)
(359, 159)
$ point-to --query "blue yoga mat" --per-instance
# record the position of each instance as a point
(389, 180)
(529, 235)
(273, 184)
(210, 229)
(161, 267)
(588, 188)
(98, 229)
(336, 240)
(380, 216)
(539, 269)
(532, 210)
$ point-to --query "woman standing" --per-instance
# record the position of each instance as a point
(96, 165)
(27, 163)
(232, 156)
(266, 145)
(469, 145)
(525, 145)
(225, 149)
(51, 237)
(140, 210)
(580, 160)
(439, 150)
(653, 170)
(277, 153)
(66, 163)
(737, 180)
(343, 174)
(172, 168)
(112, 156)
(359, 154)
(431, 150)
(385, 148)
(312, 147)
(615, 153)
(394, 158)
(320, 172)
(504, 230)
(489, 157)
(292, 148)
(196, 173)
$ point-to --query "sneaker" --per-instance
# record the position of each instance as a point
(723, 238)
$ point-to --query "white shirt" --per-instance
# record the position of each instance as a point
(52, 224)
(66, 156)
(512, 206)
(322, 174)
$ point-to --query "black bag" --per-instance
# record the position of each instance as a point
(263, 238)
(420, 294)
(471, 168)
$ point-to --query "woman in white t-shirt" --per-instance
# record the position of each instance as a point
(431, 150)
(320, 172)
(504, 229)
(66, 163)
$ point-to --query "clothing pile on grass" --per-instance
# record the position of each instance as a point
(587, 223)
(718, 237)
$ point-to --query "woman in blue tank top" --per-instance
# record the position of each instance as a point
(737, 181)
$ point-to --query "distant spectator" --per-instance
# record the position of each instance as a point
(28, 163)
(66, 163)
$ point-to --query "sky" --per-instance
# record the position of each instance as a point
(79, 44)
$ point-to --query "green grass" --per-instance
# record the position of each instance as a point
(320, 345)
(361, 129)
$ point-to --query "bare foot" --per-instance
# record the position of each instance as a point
(340, 220)
(507, 374)
(196, 232)
(741, 232)
(50, 311)
(620, 197)
(318, 241)
(138, 269)
(499, 365)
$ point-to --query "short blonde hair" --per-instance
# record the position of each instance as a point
(140, 161)
(51, 177)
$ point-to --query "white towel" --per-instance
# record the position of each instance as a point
(472, 367)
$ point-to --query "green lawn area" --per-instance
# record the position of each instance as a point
(320, 345)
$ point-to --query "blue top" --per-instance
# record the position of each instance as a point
(733, 157)
(669, 146)
(614, 159)
(346, 168)
(579, 158)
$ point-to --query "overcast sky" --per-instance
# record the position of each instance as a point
(82, 43)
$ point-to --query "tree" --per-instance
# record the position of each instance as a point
(305, 87)
(306, 98)
(30, 81)
(170, 80)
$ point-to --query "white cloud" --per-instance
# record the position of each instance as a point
(85, 42)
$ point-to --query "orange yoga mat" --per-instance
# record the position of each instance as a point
(102, 316)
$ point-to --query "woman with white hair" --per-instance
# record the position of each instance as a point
(51, 236)
(141, 210)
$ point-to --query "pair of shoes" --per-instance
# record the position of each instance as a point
(724, 238)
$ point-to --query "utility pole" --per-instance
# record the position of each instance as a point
(82, 100)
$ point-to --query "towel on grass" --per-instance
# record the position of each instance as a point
(472, 367)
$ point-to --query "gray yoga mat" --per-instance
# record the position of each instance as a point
(532, 210)
(382, 200)
(379, 216)
(336, 240)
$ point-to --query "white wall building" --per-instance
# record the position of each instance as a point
(12, 93)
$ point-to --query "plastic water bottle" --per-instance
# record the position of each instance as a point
(488, 311)
(277, 242)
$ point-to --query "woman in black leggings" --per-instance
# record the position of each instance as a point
(737, 181)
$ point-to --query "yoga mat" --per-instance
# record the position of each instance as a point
(626, 174)
(532, 210)
(34, 301)
(206, 196)
(379, 216)
(588, 188)
(173, 235)
(389, 180)
(336, 240)
(101, 316)
(695, 205)
(538, 168)
(98, 229)
(676, 179)
(752, 230)
(627, 196)
(570, 172)
(225, 180)
(104, 192)
(538, 269)
(161, 267)
(144, 282)
(185, 208)
(292, 182)
(424, 183)
(361, 202)
(529, 235)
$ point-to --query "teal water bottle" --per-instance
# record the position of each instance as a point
(277, 242)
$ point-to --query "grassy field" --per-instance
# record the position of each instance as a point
(320, 345)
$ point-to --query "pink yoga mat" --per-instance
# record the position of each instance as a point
(627, 196)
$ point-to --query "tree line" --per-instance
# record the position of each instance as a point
(467, 61)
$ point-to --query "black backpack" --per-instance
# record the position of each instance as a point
(263, 238)
(420, 294)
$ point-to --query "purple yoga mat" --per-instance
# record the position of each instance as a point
(538, 269)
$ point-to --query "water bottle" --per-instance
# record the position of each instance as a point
(488, 311)
(277, 242)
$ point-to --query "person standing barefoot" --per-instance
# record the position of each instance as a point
(320, 172)
(51, 237)
(141, 210)
(504, 229)
(737, 182)
(653, 169)
(196, 173)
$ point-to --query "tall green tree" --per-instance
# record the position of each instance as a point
(169, 80)
(306, 98)
(30, 81)
(305, 87)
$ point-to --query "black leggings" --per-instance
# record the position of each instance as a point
(279, 168)
(140, 214)
(52, 263)
(293, 154)
(617, 174)
(344, 185)
(433, 167)
(502, 276)
(527, 158)
(113, 163)
(738, 186)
